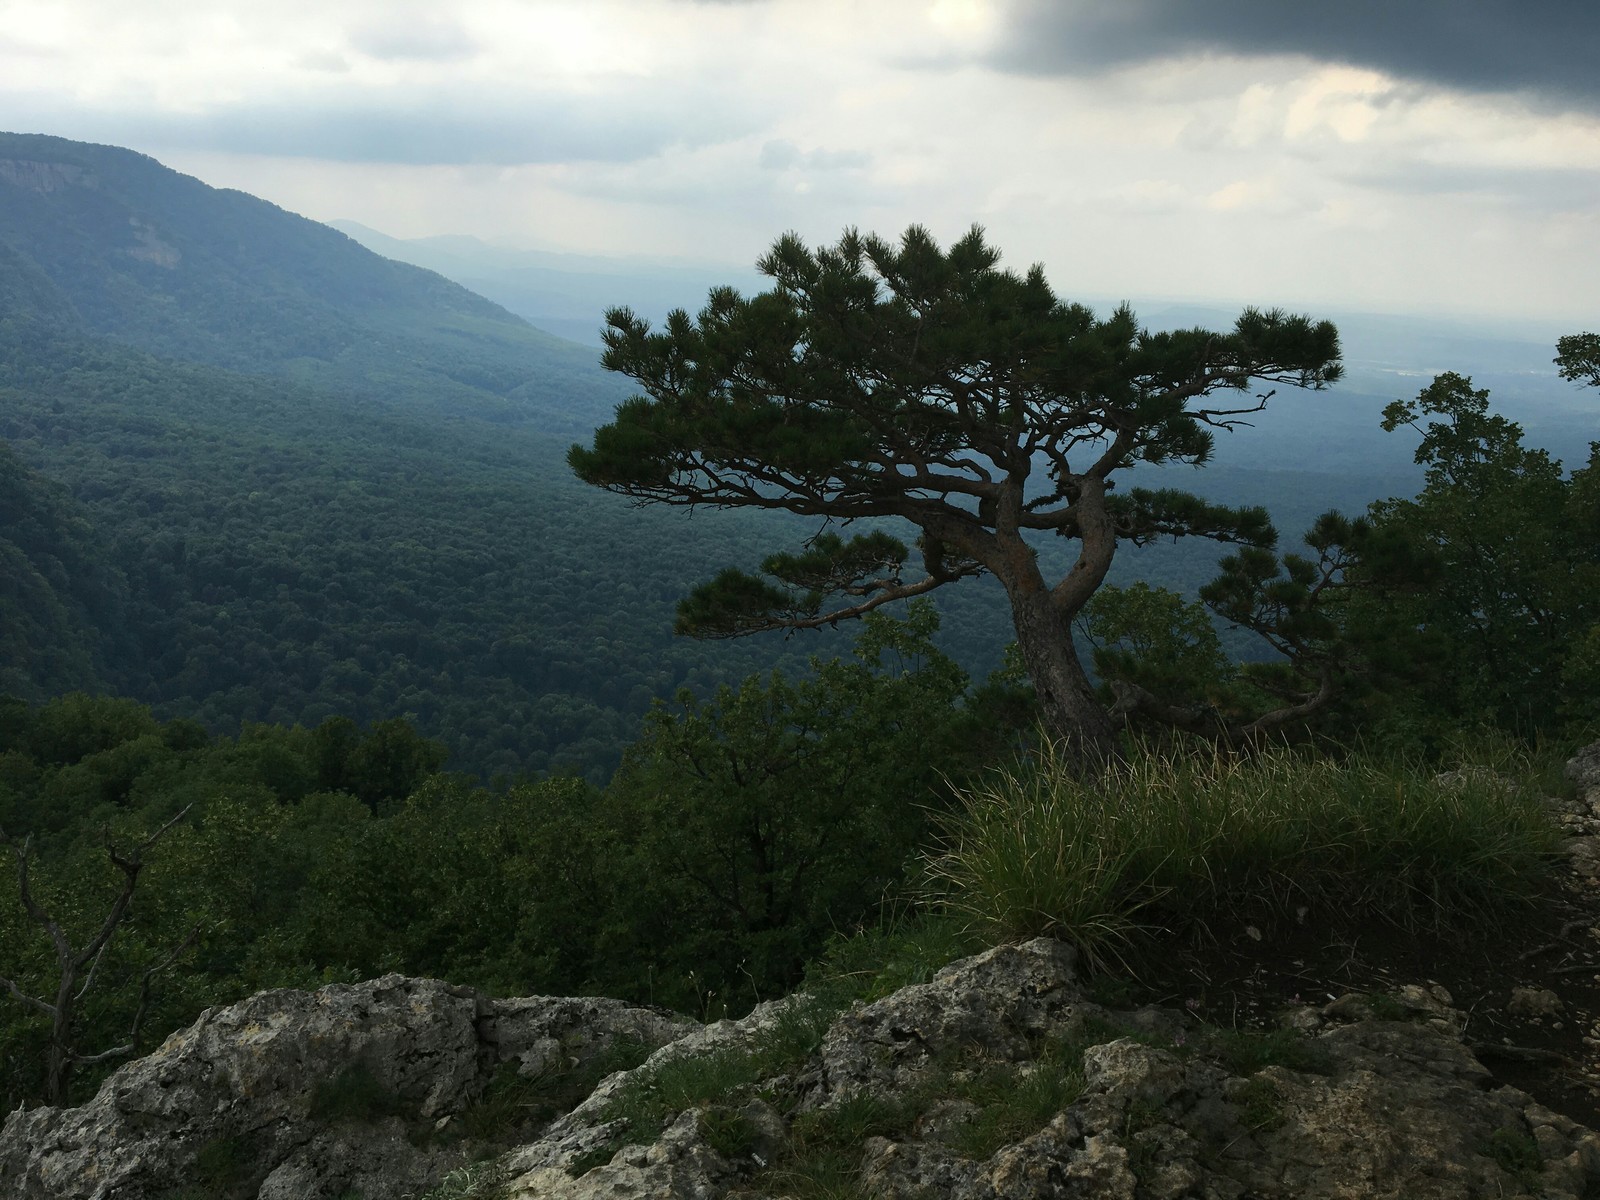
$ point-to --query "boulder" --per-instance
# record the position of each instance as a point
(307, 1095)
(1583, 772)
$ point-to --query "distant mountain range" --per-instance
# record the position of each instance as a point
(119, 246)
(566, 294)
(1386, 356)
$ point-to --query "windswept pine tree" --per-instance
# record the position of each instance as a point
(904, 381)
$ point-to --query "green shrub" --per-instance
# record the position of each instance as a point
(1515, 1152)
(1260, 1105)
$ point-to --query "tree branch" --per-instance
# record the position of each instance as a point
(885, 594)
(48, 1010)
(1205, 721)
(130, 866)
(132, 1044)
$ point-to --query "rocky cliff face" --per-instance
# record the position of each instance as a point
(1000, 1078)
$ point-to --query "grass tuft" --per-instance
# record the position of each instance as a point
(1246, 1052)
(901, 950)
(476, 1181)
(1041, 851)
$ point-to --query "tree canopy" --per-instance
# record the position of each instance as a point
(878, 380)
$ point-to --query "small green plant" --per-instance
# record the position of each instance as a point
(475, 1181)
(1385, 1007)
(1143, 1152)
(1015, 1103)
(510, 1102)
(1260, 1105)
(356, 1094)
(1246, 1051)
(852, 1121)
(597, 1156)
(221, 1171)
(653, 1094)
(1516, 1153)
(727, 1131)
(222, 1162)
(1097, 1031)
(823, 1173)
(825, 1146)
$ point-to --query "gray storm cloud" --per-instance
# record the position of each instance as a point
(1548, 48)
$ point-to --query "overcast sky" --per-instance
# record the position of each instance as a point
(1387, 155)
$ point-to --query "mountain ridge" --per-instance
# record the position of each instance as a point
(373, 520)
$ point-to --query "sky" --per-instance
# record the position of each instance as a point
(1438, 156)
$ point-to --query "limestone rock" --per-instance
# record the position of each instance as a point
(997, 1080)
(679, 1163)
(1534, 1002)
(1583, 772)
(996, 1005)
(305, 1095)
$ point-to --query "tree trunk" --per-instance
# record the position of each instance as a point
(58, 1071)
(1071, 712)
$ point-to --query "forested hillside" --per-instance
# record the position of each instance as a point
(319, 482)
(61, 603)
(160, 261)
(264, 474)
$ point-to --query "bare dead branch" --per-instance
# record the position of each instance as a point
(130, 865)
(63, 1056)
(48, 1009)
(132, 1044)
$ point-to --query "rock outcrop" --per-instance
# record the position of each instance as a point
(346, 1091)
(998, 1079)
(1340, 1103)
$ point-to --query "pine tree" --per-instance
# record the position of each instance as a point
(879, 381)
